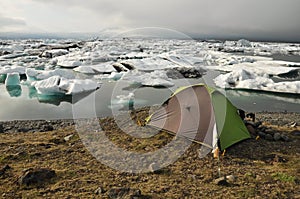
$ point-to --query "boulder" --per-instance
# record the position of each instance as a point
(36, 176)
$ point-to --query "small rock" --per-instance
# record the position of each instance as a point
(23, 130)
(285, 138)
(4, 169)
(221, 181)
(99, 191)
(230, 178)
(153, 167)
(277, 136)
(46, 128)
(261, 134)
(67, 138)
(269, 137)
(293, 124)
(1, 128)
(36, 176)
(251, 129)
(124, 193)
(295, 133)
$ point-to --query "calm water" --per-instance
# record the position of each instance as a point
(25, 105)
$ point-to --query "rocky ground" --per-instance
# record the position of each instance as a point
(50, 159)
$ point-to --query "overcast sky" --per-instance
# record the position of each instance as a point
(274, 19)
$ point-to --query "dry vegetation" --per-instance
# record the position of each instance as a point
(263, 169)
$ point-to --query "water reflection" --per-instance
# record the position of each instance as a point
(14, 91)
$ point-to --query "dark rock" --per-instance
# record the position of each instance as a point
(57, 141)
(285, 138)
(36, 176)
(4, 169)
(1, 128)
(277, 136)
(261, 134)
(251, 129)
(295, 133)
(119, 67)
(269, 137)
(128, 65)
(23, 130)
(124, 193)
(221, 181)
(180, 73)
(271, 158)
(47, 128)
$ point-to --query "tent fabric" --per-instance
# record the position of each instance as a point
(196, 112)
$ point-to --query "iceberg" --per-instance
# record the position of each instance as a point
(151, 64)
(243, 79)
(69, 64)
(14, 90)
(12, 69)
(33, 75)
(98, 68)
(259, 67)
(85, 70)
(113, 76)
(157, 78)
(12, 79)
(56, 85)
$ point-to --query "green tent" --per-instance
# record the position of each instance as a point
(201, 114)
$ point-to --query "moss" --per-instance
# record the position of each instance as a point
(284, 177)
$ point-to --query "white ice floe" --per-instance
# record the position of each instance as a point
(151, 64)
(259, 67)
(12, 79)
(85, 69)
(59, 85)
(103, 67)
(243, 79)
(181, 60)
(134, 55)
(12, 69)
(156, 78)
(224, 59)
(69, 63)
(33, 74)
(113, 76)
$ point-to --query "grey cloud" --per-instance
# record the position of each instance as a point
(256, 17)
(6, 21)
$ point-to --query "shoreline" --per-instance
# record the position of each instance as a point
(273, 118)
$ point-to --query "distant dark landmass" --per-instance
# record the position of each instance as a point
(103, 35)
